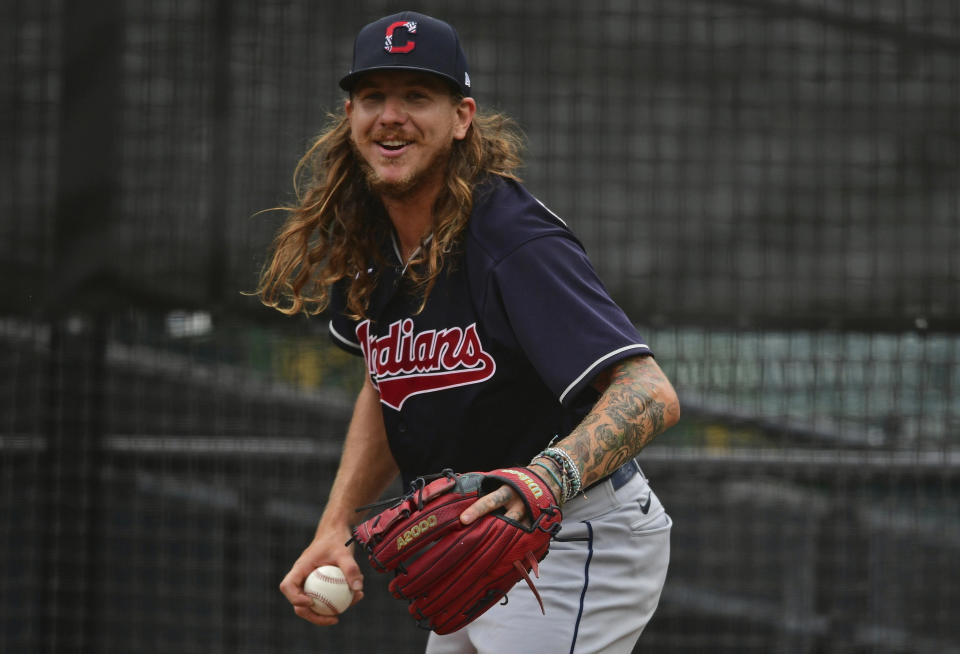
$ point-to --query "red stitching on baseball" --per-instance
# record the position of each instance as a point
(323, 600)
(332, 580)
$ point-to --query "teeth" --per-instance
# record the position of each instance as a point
(393, 144)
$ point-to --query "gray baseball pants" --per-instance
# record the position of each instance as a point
(600, 582)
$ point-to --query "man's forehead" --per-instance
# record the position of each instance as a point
(382, 78)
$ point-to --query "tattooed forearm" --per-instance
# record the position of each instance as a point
(638, 404)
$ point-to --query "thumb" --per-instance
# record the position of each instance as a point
(352, 573)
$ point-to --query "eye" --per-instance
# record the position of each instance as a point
(369, 96)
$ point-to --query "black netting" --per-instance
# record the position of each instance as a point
(770, 189)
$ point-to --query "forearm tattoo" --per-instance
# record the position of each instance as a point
(638, 404)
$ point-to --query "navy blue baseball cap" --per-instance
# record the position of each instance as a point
(410, 41)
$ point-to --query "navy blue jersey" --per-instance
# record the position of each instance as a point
(501, 358)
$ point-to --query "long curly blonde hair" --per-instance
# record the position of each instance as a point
(334, 229)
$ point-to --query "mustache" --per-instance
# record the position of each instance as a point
(390, 135)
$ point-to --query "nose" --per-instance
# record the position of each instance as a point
(394, 112)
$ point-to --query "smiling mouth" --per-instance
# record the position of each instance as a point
(393, 145)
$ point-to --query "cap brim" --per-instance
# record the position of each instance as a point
(347, 82)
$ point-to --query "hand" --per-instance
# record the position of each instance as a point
(506, 497)
(502, 497)
(327, 548)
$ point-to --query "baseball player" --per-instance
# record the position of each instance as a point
(488, 338)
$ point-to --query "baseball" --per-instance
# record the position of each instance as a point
(329, 590)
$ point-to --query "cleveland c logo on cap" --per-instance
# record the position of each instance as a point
(411, 27)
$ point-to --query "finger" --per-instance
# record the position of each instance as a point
(516, 510)
(487, 503)
(357, 596)
(352, 573)
(315, 618)
(292, 584)
(292, 588)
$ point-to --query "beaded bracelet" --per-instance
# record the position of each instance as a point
(570, 469)
(571, 475)
(563, 487)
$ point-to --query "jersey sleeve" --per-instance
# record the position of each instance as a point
(561, 315)
(343, 330)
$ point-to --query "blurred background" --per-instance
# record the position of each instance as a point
(770, 188)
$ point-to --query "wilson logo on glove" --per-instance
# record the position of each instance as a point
(416, 531)
(449, 572)
(531, 484)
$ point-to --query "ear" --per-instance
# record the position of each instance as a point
(465, 113)
(347, 107)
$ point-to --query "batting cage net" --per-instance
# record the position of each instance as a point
(768, 187)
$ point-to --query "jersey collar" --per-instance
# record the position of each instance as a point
(399, 255)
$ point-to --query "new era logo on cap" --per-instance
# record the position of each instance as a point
(410, 41)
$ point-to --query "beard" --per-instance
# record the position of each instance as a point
(410, 183)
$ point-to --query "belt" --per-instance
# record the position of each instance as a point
(619, 477)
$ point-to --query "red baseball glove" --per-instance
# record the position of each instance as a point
(452, 573)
